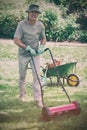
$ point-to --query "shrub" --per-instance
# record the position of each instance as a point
(49, 18)
(82, 20)
(82, 36)
(63, 32)
(58, 29)
(8, 24)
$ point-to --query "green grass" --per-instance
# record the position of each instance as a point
(17, 115)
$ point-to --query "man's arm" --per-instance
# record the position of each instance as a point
(42, 46)
(43, 41)
(18, 42)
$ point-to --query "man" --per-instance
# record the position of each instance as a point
(27, 36)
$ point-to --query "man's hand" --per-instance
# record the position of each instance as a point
(32, 51)
(41, 49)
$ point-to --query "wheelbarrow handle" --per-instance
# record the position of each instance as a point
(37, 75)
(47, 49)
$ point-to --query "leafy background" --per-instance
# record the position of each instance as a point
(65, 20)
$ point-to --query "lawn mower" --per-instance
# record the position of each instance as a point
(49, 113)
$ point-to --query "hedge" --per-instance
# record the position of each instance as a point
(56, 29)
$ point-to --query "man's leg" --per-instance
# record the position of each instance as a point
(36, 85)
(23, 64)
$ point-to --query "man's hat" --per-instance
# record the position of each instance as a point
(32, 8)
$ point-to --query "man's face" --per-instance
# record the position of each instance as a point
(33, 15)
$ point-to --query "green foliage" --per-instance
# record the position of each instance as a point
(77, 5)
(31, 2)
(82, 36)
(63, 33)
(82, 20)
(59, 29)
(59, 26)
(72, 5)
(8, 24)
(49, 18)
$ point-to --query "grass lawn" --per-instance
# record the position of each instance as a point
(18, 115)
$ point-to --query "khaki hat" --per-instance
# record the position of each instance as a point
(32, 8)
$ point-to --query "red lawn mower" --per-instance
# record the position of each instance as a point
(49, 113)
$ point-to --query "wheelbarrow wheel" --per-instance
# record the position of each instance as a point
(73, 80)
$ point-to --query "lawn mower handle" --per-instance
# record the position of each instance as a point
(37, 76)
(51, 112)
(47, 49)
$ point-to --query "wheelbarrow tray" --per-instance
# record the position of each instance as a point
(61, 70)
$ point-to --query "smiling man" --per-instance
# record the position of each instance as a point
(27, 36)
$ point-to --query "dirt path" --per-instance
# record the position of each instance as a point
(5, 41)
(67, 44)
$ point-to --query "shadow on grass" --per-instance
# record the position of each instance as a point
(30, 118)
(18, 115)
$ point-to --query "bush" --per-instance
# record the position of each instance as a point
(49, 18)
(63, 32)
(83, 36)
(8, 25)
(82, 20)
(57, 28)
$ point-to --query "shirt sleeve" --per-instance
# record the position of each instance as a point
(18, 32)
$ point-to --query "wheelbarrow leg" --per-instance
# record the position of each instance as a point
(57, 81)
(63, 80)
(50, 80)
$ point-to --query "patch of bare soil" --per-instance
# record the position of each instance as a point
(66, 43)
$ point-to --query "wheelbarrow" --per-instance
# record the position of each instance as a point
(63, 71)
(49, 113)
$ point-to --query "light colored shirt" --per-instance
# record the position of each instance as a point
(29, 34)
